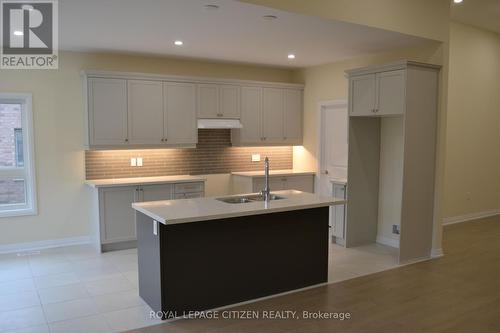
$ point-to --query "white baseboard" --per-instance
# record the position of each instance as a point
(45, 244)
(437, 253)
(388, 241)
(470, 217)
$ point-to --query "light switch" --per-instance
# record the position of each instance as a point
(133, 161)
(255, 157)
(139, 161)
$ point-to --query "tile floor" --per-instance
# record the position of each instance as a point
(75, 289)
(71, 289)
(362, 260)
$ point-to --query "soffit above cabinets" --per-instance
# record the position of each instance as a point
(235, 32)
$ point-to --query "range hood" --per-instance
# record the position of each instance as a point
(219, 123)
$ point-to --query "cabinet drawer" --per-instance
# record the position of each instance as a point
(189, 187)
(190, 195)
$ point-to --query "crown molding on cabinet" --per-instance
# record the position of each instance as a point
(181, 78)
(402, 64)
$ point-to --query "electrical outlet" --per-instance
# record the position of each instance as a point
(139, 161)
(133, 161)
(395, 229)
(468, 196)
(255, 157)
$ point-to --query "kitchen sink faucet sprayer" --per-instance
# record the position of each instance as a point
(266, 192)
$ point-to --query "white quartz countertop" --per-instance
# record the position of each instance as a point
(260, 173)
(143, 181)
(208, 208)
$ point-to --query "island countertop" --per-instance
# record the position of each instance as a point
(209, 208)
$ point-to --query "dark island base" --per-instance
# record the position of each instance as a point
(204, 265)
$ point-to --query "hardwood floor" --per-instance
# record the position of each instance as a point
(459, 292)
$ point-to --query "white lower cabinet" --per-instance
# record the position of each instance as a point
(247, 184)
(338, 212)
(117, 218)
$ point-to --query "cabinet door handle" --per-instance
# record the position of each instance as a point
(126, 140)
(162, 140)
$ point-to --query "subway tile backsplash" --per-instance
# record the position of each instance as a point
(213, 154)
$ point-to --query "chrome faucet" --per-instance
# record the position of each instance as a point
(266, 192)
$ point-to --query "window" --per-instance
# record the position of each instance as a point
(17, 173)
(18, 137)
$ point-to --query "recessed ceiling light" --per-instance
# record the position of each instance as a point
(291, 56)
(457, 1)
(178, 42)
(211, 7)
(18, 33)
(270, 17)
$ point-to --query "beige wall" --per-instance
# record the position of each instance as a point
(63, 202)
(424, 18)
(472, 179)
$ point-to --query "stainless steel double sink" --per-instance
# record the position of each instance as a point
(248, 198)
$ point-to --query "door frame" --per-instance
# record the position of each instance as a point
(322, 107)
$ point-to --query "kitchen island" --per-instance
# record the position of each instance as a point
(200, 254)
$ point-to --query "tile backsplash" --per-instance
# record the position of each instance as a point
(213, 154)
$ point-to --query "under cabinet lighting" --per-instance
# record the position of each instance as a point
(291, 56)
(457, 1)
(178, 42)
(18, 33)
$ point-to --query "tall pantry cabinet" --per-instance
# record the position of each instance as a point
(391, 160)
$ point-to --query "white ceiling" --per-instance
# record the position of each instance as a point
(236, 32)
(480, 13)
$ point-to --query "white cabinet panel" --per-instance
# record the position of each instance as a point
(293, 116)
(300, 183)
(251, 115)
(156, 192)
(339, 191)
(107, 103)
(272, 115)
(116, 213)
(208, 101)
(180, 113)
(145, 112)
(229, 101)
(363, 95)
(277, 183)
(191, 195)
(391, 93)
(189, 187)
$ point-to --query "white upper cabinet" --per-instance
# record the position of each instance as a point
(380, 94)
(145, 112)
(270, 116)
(140, 111)
(208, 101)
(107, 112)
(273, 117)
(218, 101)
(293, 116)
(363, 93)
(229, 101)
(180, 113)
(251, 115)
(391, 94)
